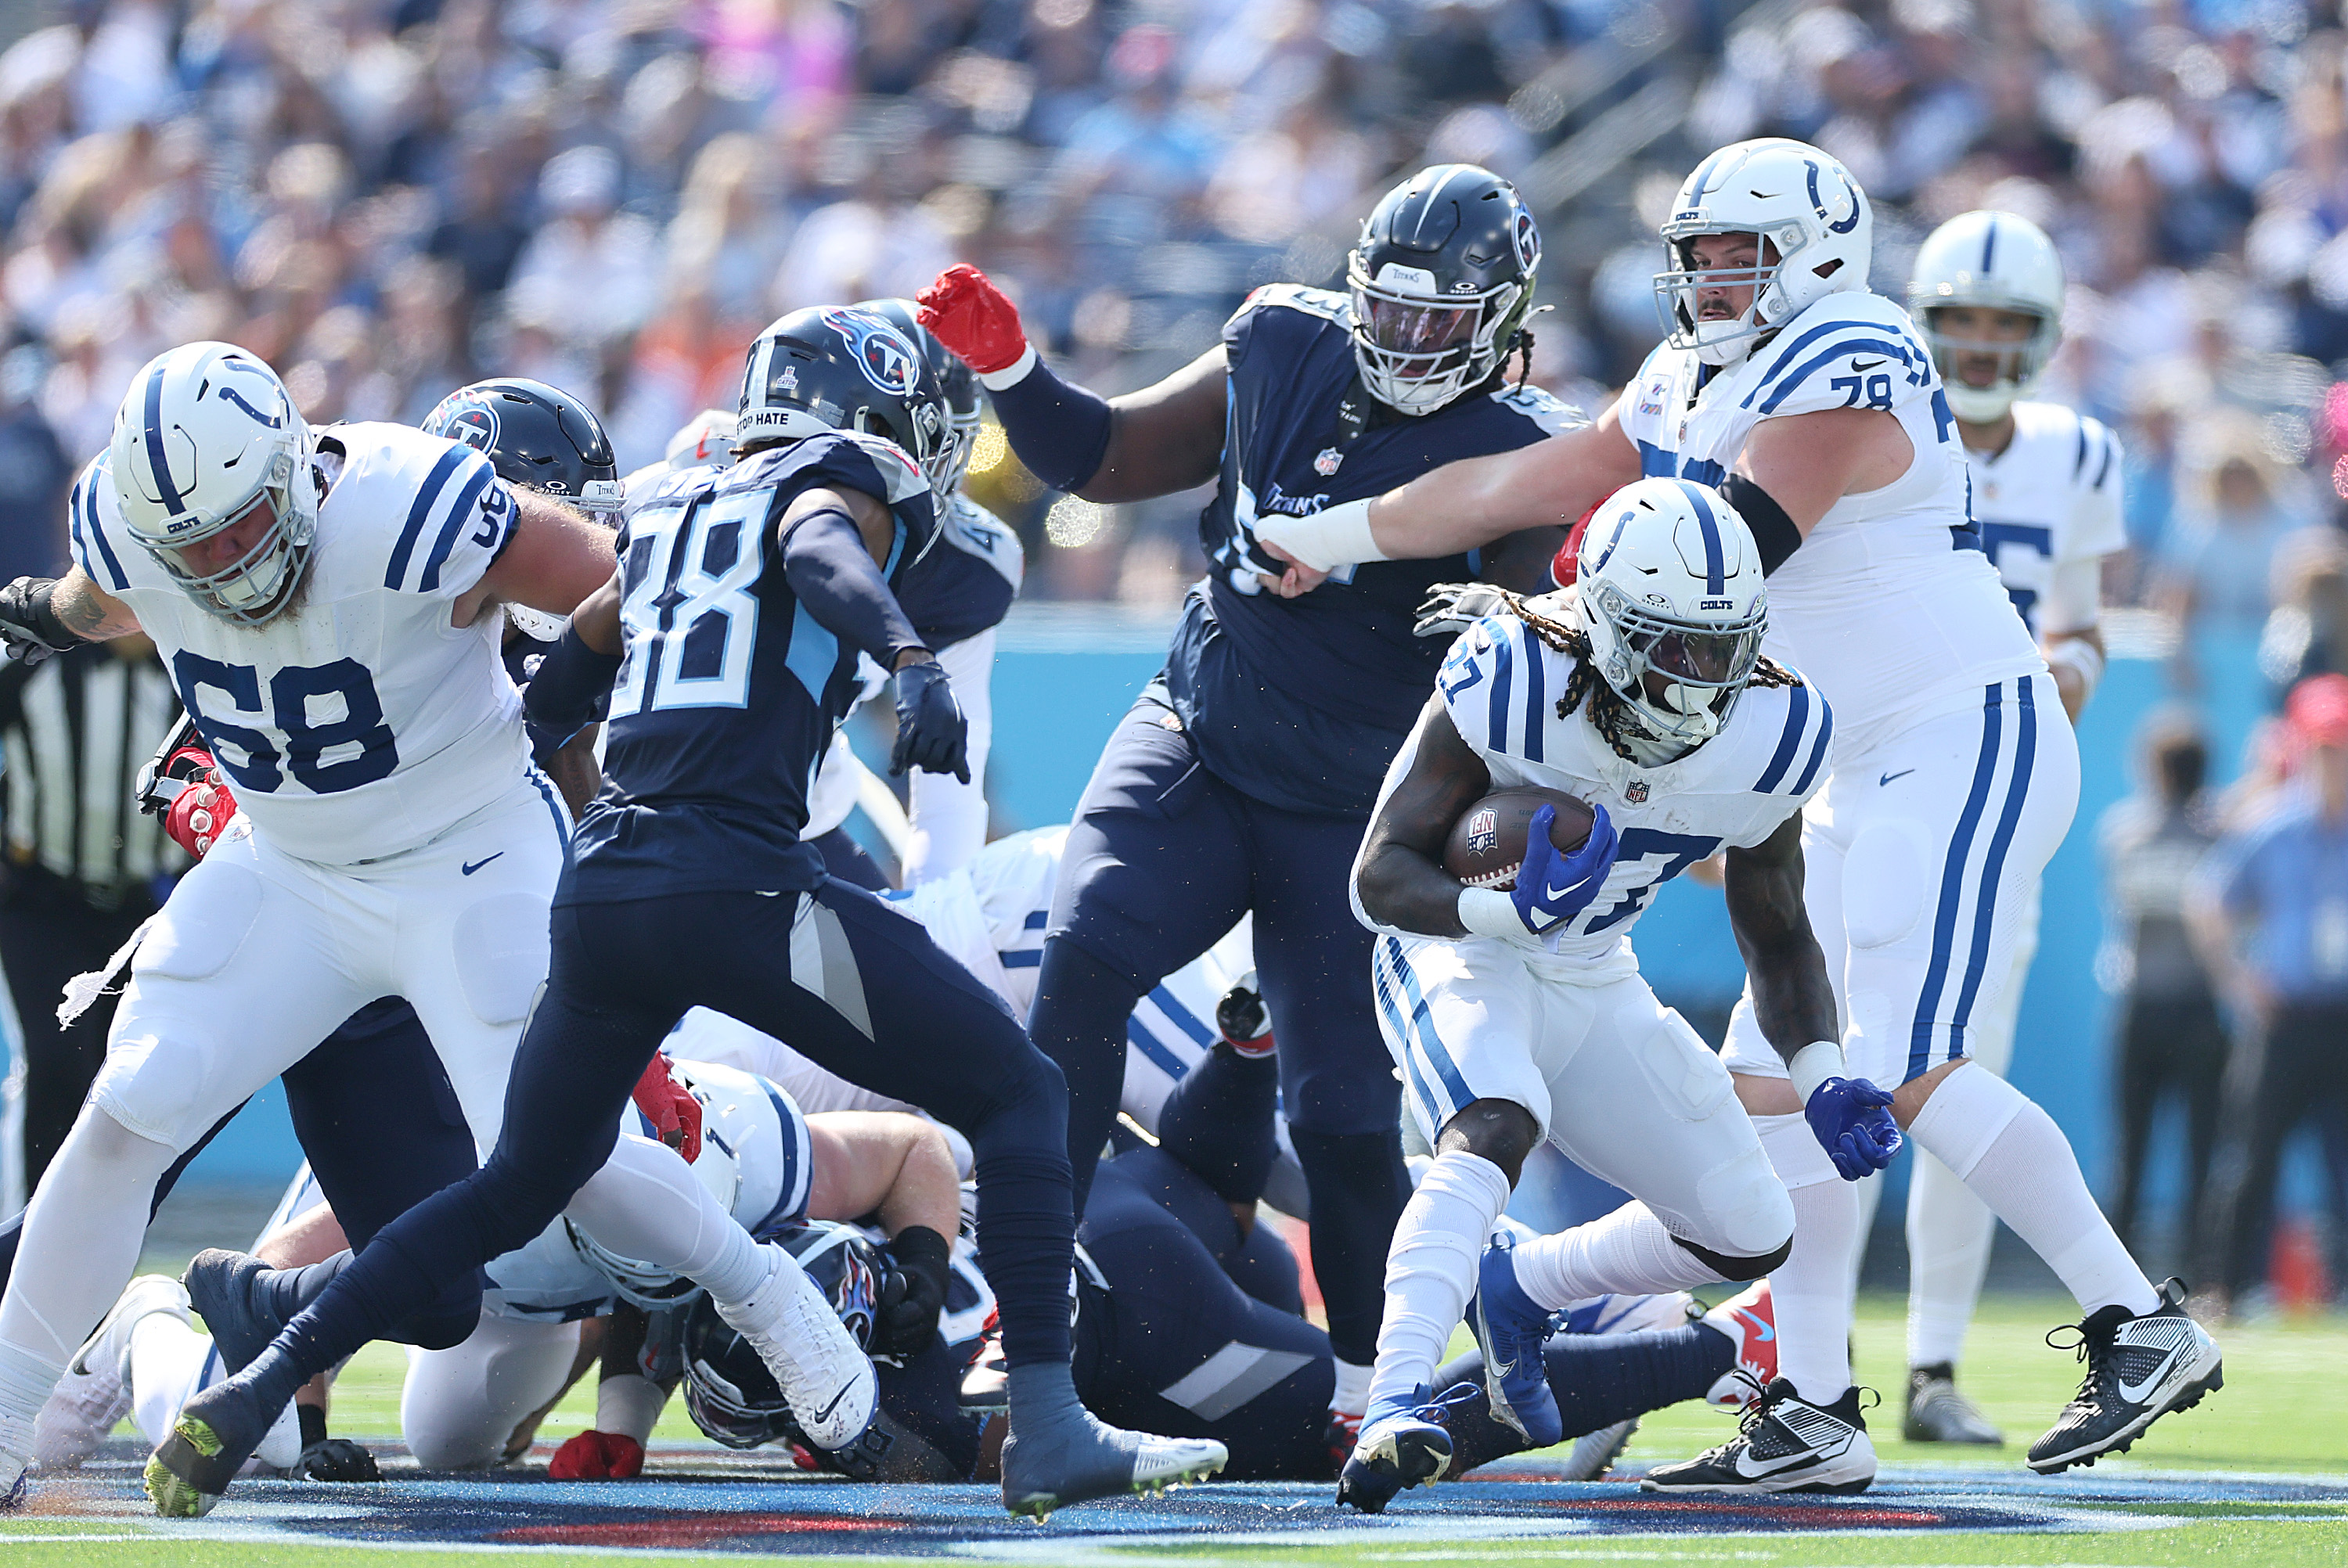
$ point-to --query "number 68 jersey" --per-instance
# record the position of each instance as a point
(360, 723)
(1501, 685)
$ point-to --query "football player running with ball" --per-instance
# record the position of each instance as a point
(1817, 411)
(728, 641)
(1520, 1014)
(1987, 293)
(1240, 780)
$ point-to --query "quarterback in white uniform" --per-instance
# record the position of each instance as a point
(1818, 411)
(327, 603)
(1518, 1016)
(1987, 293)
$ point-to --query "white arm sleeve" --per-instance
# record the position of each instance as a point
(2074, 602)
(949, 816)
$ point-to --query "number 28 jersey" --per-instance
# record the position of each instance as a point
(1501, 685)
(360, 723)
(728, 688)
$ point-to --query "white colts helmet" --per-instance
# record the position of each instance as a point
(207, 434)
(1999, 262)
(1671, 593)
(1799, 199)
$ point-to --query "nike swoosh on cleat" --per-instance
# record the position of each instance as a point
(1761, 1331)
(845, 1390)
(2137, 1393)
(477, 865)
(1886, 778)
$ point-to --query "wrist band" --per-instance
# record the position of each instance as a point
(1489, 912)
(2079, 656)
(1813, 1065)
(1011, 374)
(1333, 537)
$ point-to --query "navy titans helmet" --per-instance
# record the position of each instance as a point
(728, 1391)
(840, 367)
(957, 382)
(1442, 281)
(535, 436)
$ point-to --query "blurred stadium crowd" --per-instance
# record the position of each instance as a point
(388, 198)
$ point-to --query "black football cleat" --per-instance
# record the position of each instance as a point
(1784, 1443)
(1939, 1413)
(2139, 1369)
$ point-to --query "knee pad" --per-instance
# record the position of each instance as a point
(150, 1081)
(1744, 1209)
(1885, 876)
(501, 950)
(1733, 1268)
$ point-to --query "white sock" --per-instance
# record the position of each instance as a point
(26, 1382)
(1949, 1236)
(2010, 1153)
(1626, 1252)
(78, 1249)
(170, 1363)
(1431, 1268)
(1811, 1290)
(646, 1203)
(1350, 1396)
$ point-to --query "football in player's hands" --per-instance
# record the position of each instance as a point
(1487, 843)
(1852, 1119)
(1552, 887)
(201, 809)
(597, 1455)
(973, 318)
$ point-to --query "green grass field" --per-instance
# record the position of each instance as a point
(2279, 1412)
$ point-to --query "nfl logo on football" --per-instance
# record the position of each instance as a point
(1483, 831)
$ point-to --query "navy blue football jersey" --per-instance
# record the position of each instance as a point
(1302, 702)
(728, 688)
(965, 583)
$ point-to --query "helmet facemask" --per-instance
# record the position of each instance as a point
(261, 583)
(1681, 678)
(2020, 362)
(1678, 293)
(1418, 351)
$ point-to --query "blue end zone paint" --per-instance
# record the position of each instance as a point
(704, 1499)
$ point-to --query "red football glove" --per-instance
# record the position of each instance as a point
(1568, 564)
(195, 817)
(971, 317)
(597, 1455)
(674, 1113)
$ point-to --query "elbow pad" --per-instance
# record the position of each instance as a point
(1772, 531)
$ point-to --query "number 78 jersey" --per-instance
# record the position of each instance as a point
(360, 723)
(1501, 685)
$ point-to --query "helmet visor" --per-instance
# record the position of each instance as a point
(1407, 326)
(1701, 658)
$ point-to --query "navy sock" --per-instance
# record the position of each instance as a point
(1359, 1185)
(1079, 1020)
(1027, 1229)
(1217, 1121)
(1598, 1378)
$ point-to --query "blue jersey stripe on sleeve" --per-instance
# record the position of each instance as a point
(1151, 1046)
(1534, 698)
(2111, 447)
(1793, 382)
(460, 518)
(1655, 462)
(1181, 1017)
(1793, 349)
(421, 508)
(1798, 718)
(1817, 747)
(119, 580)
(1496, 722)
(1037, 919)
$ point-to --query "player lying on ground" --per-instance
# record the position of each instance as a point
(1241, 781)
(1811, 402)
(733, 632)
(328, 604)
(1512, 1000)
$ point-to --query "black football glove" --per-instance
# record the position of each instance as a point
(1240, 1016)
(336, 1458)
(1451, 608)
(932, 734)
(29, 627)
(912, 1292)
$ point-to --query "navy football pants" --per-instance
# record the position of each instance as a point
(855, 986)
(1163, 859)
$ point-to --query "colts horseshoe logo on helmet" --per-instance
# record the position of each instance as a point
(888, 361)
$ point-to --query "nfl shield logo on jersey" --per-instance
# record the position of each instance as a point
(1326, 464)
(1636, 793)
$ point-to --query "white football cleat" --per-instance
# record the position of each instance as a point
(825, 1376)
(1750, 1320)
(95, 1392)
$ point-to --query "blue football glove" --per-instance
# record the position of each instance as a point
(1849, 1118)
(1553, 887)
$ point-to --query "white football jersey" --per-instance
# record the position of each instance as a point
(1501, 685)
(2052, 497)
(754, 1120)
(1890, 607)
(360, 723)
